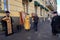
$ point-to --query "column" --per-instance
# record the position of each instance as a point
(36, 10)
(27, 7)
(40, 12)
(44, 15)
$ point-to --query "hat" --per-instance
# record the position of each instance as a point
(7, 11)
(55, 12)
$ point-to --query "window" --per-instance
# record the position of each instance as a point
(56, 1)
(45, 2)
(0, 4)
(42, 0)
(5, 5)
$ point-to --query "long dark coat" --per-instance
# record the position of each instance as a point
(56, 24)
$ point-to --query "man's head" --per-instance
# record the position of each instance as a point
(55, 13)
(7, 13)
(36, 15)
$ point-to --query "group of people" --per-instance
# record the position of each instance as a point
(8, 27)
(29, 22)
(7, 23)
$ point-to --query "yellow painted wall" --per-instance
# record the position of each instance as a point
(16, 6)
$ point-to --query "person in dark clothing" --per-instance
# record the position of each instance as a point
(35, 22)
(55, 23)
(4, 23)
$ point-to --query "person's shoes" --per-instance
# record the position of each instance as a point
(27, 30)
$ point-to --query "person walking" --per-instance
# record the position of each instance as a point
(35, 22)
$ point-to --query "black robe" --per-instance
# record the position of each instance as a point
(56, 24)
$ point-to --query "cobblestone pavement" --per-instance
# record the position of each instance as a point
(43, 33)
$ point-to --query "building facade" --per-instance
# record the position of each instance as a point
(40, 7)
(52, 6)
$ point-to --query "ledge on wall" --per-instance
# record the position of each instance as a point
(2, 11)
